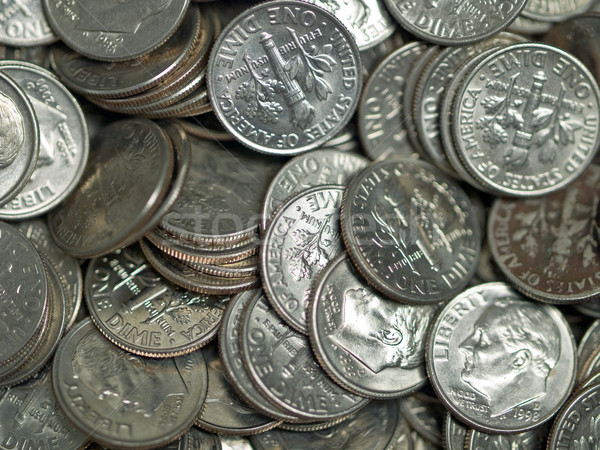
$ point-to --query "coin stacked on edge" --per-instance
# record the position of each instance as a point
(282, 224)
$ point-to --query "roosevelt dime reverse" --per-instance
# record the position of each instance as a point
(284, 77)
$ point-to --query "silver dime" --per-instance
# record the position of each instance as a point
(410, 230)
(284, 77)
(19, 139)
(142, 313)
(229, 349)
(23, 23)
(448, 22)
(139, 402)
(367, 20)
(302, 238)
(425, 416)
(382, 132)
(222, 196)
(499, 362)
(114, 30)
(575, 425)
(369, 344)
(30, 418)
(305, 171)
(526, 121)
(527, 440)
(555, 10)
(454, 433)
(545, 245)
(224, 411)
(588, 344)
(281, 365)
(64, 142)
(127, 176)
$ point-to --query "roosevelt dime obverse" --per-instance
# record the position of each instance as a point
(284, 77)
(410, 230)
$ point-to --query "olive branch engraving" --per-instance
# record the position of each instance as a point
(591, 441)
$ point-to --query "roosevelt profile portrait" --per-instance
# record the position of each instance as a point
(12, 131)
(382, 333)
(509, 354)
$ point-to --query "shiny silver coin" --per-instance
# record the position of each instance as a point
(382, 132)
(555, 10)
(281, 365)
(447, 22)
(141, 402)
(369, 344)
(500, 363)
(30, 417)
(284, 77)
(410, 230)
(301, 239)
(527, 440)
(229, 350)
(425, 416)
(19, 139)
(64, 142)
(23, 23)
(308, 170)
(225, 412)
(112, 206)
(114, 30)
(588, 345)
(136, 309)
(454, 433)
(521, 127)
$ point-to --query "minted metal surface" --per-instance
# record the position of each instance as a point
(369, 344)
(281, 365)
(301, 239)
(64, 142)
(555, 10)
(23, 23)
(527, 440)
(293, 85)
(424, 416)
(520, 126)
(143, 402)
(113, 30)
(499, 362)
(308, 170)
(447, 22)
(454, 433)
(410, 230)
(111, 206)
(382, 132)
(545, 246)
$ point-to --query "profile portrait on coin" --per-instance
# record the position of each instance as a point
(12, 131)
(510, 353)
(382, 333)
(128, 383)
(117, 16)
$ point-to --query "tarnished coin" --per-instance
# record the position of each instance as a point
(221, 199)
(23, 295)
(410, 230)
(373, 427)
(127, 177)
(499, 362)
(555, 10)
(64, 142)
(30, 418)
(19, 139)
(66, 266)
(280, 363)
(23, 23)
(202, 440)
(86, 76)
(301, 239)
(526, 120)
(381, 129)
(139, 311)
(224, 411)
(369, 344)
(545, 246)
(367, 20)
(305, 171)
(284, 77)
(448, 22)
(140, 402)
(576, 425)
(115, 30)
(229, 349)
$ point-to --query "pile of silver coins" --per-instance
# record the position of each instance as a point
(299, 224)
